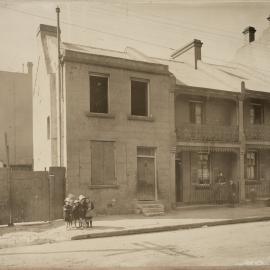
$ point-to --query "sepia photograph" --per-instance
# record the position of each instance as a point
(135, 134)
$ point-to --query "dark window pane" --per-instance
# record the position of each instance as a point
(98, 94)
(256, 114)
(196, 111)
(139, 99)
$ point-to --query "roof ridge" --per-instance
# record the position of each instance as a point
(92, 47)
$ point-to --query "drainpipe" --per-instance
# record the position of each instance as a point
(242, 140)
(59, 87)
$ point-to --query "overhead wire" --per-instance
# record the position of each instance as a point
(89, 28)
(190, 27)
(195, 29)
(102, 31)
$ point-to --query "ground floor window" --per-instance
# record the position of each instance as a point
(203, 168)
(102, 163)
(252, 165)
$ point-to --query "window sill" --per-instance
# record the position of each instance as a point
(201, 186)
(141, 118)
(103, 186)
(100, 115)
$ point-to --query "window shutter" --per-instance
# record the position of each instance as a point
(108, 163)
(97, 163)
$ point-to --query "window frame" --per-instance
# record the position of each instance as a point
(147, 81)
(257, 164)
(200, 168)
(192, 104)
(114, 182)
(253, 105)
(102, 75)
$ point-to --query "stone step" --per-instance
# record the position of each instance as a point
(150, 208)
(147, 211)
(154, 214)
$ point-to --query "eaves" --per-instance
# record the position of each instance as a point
(114, 62)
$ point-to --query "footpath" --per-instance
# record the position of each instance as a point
(116, 225)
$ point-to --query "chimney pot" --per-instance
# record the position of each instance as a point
(249, 34)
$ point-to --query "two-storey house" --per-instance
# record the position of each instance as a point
(221, 125)
(116, 121)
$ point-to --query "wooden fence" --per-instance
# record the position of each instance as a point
(31, 196)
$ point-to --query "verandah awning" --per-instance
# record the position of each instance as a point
(209, 148)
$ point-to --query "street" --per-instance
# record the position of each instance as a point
(242, 244)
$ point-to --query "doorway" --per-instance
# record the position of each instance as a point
(146, 174)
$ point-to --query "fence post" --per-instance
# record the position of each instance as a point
(51, 196)
(10, 223)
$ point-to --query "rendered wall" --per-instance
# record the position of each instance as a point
(127, 135)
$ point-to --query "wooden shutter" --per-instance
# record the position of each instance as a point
(97, 163)
(102, 163)
(109, 163)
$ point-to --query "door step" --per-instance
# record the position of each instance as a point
(150, 208)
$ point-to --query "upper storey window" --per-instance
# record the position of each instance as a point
(139, 97)
(99, 93)
(196, 112)
(256, 114)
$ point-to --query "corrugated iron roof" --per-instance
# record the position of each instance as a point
(225, 76)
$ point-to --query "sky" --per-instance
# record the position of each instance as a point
(156, 27)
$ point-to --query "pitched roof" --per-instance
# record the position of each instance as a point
(226, 76)
(129, 53)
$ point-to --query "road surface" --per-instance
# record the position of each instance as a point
(242, 244)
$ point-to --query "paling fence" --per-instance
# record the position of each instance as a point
(31, 196)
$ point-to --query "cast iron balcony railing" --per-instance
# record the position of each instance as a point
(258, 132)
(207, 133)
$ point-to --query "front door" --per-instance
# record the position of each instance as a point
(178, 181)
(146, 178)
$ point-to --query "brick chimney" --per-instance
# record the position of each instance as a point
(191, 51)
(48, 29)
(249, 34)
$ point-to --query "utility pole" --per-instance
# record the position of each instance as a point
(59, 88)
(9, 182)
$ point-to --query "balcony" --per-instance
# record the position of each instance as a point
(257, 132)
(207, 133)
